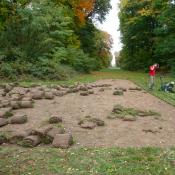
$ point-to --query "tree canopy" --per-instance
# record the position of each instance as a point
(44, 39)
(148, 33)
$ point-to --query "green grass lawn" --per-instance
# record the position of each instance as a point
(92, 161)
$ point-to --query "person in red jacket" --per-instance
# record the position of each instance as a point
(152, 73)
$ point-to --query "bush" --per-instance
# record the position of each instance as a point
(140, 60)
(39, 70)
(48, 69)
(80, 61)
(42, 42)
(173, 68)
(7, 71)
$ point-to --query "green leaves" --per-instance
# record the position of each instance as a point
(43, 35)
(148, 29)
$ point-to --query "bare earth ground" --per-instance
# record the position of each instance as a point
(116, 132)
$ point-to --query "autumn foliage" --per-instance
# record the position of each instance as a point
(83, 8)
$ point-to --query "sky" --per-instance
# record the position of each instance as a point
(111, 25)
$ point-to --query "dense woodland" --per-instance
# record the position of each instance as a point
(148, 34)
(52, 39)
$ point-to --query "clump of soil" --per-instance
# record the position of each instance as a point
(129, 118)
(84, 93)
(31, 141)
(49, 95)
(135, 89)
(101, 90)
(6, 112)
(89, 123)
(63, 141)
(55, 119)
(26, 104)
(129, 114)
(44, 135)
(150, 131)
(91, 92)
(55, 130)
(121, 88)
(15, 104)
(18, 136)
(3, 122)
(37, 94)
(18, 119)
(3, 138)
(118, 92)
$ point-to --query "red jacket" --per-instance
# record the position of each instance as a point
(152, 70)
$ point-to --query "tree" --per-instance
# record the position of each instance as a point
(103, 47)
(137, 24)
(165, 40)
(148, 33)
(8, 9)
(91, 9)
(40, 37)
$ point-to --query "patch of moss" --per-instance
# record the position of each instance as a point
(46, 139)
(118, 109)
(58, 125)
(3, 138)
(99, 122)
(118, 92)
(147, 113)
(129, 114)
(130, 111)
(8, 114)
(25, 143)
(73, 141)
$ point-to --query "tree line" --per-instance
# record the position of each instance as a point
(52, 39)
(148, 34)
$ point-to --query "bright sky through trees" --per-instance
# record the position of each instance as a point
(111, 25)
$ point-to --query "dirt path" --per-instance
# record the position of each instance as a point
(116, 132)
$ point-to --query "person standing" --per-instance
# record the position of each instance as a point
(152, 73)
